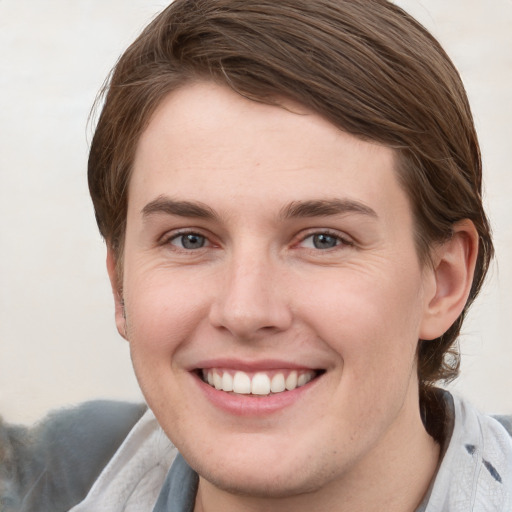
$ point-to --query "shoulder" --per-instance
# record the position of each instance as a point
(506, 422)
(476, 466)
(52, 465)
(481, 455)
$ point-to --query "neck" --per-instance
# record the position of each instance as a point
(395, 475)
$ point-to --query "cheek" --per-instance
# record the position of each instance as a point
(162, 316)
(373, 329)
(162, 312)
(372, 322)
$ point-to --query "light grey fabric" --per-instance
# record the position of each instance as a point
(506, 421)
(134, 477)
(475, 474)
(51, 466)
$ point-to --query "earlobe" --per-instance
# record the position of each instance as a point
(116, 292)
(454, 265)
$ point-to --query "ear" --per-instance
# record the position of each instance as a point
(452, 273)
(116, 292)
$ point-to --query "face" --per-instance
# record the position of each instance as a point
(273, 293)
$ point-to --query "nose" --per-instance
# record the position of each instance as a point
(253, 301)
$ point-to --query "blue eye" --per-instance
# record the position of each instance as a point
(321, 241)
(189, 241)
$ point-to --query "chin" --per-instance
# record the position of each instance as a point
(273, 475)
(262, 483)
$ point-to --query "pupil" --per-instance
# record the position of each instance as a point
(324, 241)
(192, 241)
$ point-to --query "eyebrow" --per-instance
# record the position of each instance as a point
(296, 209)
(325, 207)
(170, 206)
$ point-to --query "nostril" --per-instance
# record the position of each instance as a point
(250, 301)
(248, 323)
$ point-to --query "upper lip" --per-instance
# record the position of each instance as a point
(251, 366)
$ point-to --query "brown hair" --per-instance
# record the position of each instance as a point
(365, 65)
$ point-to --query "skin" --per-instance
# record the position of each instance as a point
(260, 290)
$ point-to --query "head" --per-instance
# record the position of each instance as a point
(367, 67)
(216, 119)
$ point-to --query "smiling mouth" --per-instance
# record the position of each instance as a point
(257, 383)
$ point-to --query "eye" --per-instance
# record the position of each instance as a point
(189, 241)
(323, 241)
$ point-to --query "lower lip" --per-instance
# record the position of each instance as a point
(251, 405)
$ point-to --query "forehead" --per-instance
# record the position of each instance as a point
(208, 142)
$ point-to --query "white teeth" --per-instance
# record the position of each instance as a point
(217, 380)
(227, 382)
(260, 383)
(303, 379)
(277, 383)
(242, 383)
(291, 381)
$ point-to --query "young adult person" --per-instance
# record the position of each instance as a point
(290, 193)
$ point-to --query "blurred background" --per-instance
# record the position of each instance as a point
(58, 343)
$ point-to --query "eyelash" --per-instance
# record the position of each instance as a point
(182, 234)
(340, 240)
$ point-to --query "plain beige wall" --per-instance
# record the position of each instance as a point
(58, 344)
